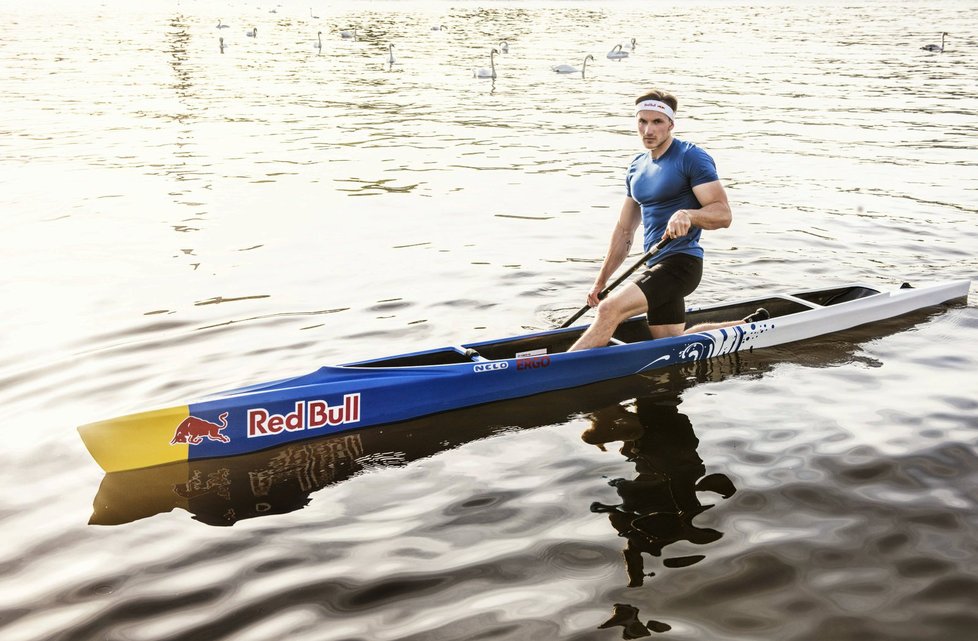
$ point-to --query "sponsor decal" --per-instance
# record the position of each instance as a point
(532, 352)
(533, 362)
(306, 415)
(193, 430)
(488, 367)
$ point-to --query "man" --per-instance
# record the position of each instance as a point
(674, 191)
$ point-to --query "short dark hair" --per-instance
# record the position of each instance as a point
(660, 95)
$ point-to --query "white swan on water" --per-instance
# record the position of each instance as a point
(504, 46)
(935, 47)
(571, 69)
(617, 53)
(222, 26)
(253, 33)
(319, 40)
(390, 54)
(439, 27)
(349, 34)
(629, 45)
(487, 73)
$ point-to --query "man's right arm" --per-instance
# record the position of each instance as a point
(621, 244)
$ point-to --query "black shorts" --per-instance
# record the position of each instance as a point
(665, 285)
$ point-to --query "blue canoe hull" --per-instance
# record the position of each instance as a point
(358, 395)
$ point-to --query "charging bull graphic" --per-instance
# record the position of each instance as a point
(193, 430)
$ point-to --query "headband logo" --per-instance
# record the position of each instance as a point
(655, 105)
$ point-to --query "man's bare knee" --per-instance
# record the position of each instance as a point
(609, 310)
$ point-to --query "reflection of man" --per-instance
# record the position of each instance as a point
(659, 504)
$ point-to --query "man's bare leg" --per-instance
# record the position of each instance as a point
(759, 315)
(628, 302)
(621, 305)
(705, 327)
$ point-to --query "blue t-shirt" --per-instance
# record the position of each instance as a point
(665, 185)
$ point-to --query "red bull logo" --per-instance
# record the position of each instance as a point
(306, 415)
(194, 430)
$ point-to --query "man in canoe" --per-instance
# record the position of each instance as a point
(674, 191)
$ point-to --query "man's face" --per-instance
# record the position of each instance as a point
(653, 127)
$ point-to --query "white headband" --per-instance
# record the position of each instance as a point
(655, 105)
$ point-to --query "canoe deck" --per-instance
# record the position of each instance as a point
(634, 330)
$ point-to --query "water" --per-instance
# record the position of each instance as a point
(180, 220)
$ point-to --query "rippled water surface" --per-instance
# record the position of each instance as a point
(181, 218)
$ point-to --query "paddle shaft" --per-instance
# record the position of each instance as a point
(618, 281)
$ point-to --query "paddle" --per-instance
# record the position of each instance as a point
(618, 281)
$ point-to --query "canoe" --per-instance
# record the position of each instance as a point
(335, 399)
(281, 479)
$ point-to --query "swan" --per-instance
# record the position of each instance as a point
(390, 54)
(222, 26)
(504, 46)
(319, 40)
(312, 15)
(617, 53)
(570, 69)
(486, 73)
(935, 47)
(222, 44)
(253, 33)
(629, 45)
(349, 34)
(439, 27)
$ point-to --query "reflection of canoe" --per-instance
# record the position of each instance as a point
(382, 391)
(222, 491)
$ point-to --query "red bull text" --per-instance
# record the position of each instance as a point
(307, 415)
